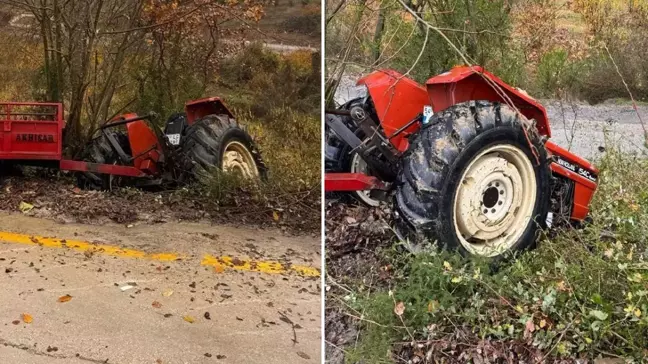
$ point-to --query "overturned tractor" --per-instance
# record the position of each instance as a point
(129, 149)
(466, 160)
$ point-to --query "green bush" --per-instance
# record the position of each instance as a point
(581, 293)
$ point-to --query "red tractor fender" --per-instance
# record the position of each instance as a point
(465, 83)
(198, 109)
(397, 100)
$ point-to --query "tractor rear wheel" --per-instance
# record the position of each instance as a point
(476, 178)
(217, 141)
(100, 151)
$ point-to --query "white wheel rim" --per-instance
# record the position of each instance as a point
(238, 159)
(495, 200)
(358, 165)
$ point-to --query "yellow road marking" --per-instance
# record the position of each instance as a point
(222, 262)
(258, 266)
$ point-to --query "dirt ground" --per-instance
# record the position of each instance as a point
(156, 293)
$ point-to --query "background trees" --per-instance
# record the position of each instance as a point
(548, 47)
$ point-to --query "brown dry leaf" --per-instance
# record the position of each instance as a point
(189, 319)
(65, 298)
(167, 293)
(399, 309)
(156, 304)
(27, 318)
(275, 215)
(219, 268)
(529, 328)
(303, 355)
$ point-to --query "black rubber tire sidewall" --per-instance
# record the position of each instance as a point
(437, 157)
(219, 133)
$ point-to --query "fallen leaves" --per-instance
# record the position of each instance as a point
(27, 318)
(303, 355)
(219, 268)
(433, 306)
(189, 319)
(167, 293)
(399, 309)
(25, 207)
(65, 298)
(156, 304)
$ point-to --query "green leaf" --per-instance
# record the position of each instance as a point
(600, 315)
(596, 298)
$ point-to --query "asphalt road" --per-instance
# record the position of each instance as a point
(166, 293)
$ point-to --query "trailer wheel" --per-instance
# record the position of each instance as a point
(100, 151)
(471, 182)
(217, 141)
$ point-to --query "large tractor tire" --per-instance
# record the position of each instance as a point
(218, 142)
(100, 151)
(470, 181)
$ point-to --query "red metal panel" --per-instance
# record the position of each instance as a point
(31, 130)
(144, 145)
(468, 83)
(397, 100)
(584, 188)
(197, 109)
(351, 182)
(80, 166)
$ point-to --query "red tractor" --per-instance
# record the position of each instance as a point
(466, 158)
(128, 150)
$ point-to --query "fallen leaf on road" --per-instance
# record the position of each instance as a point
(167, 293)
(189, 319)
(25, 207)
(303, 355)
(27, 318)
(399, 309)
(219, 268)
(220, 356)
(208, 355)
(126, 287)
(207, 316)
(156, 304)
(15, 322)
(65, 298)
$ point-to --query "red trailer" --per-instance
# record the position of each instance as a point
(130, 146)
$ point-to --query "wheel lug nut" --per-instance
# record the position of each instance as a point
(493, 210)
(485, 211)
(501, 192)
(499, 203)
(496, 184)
